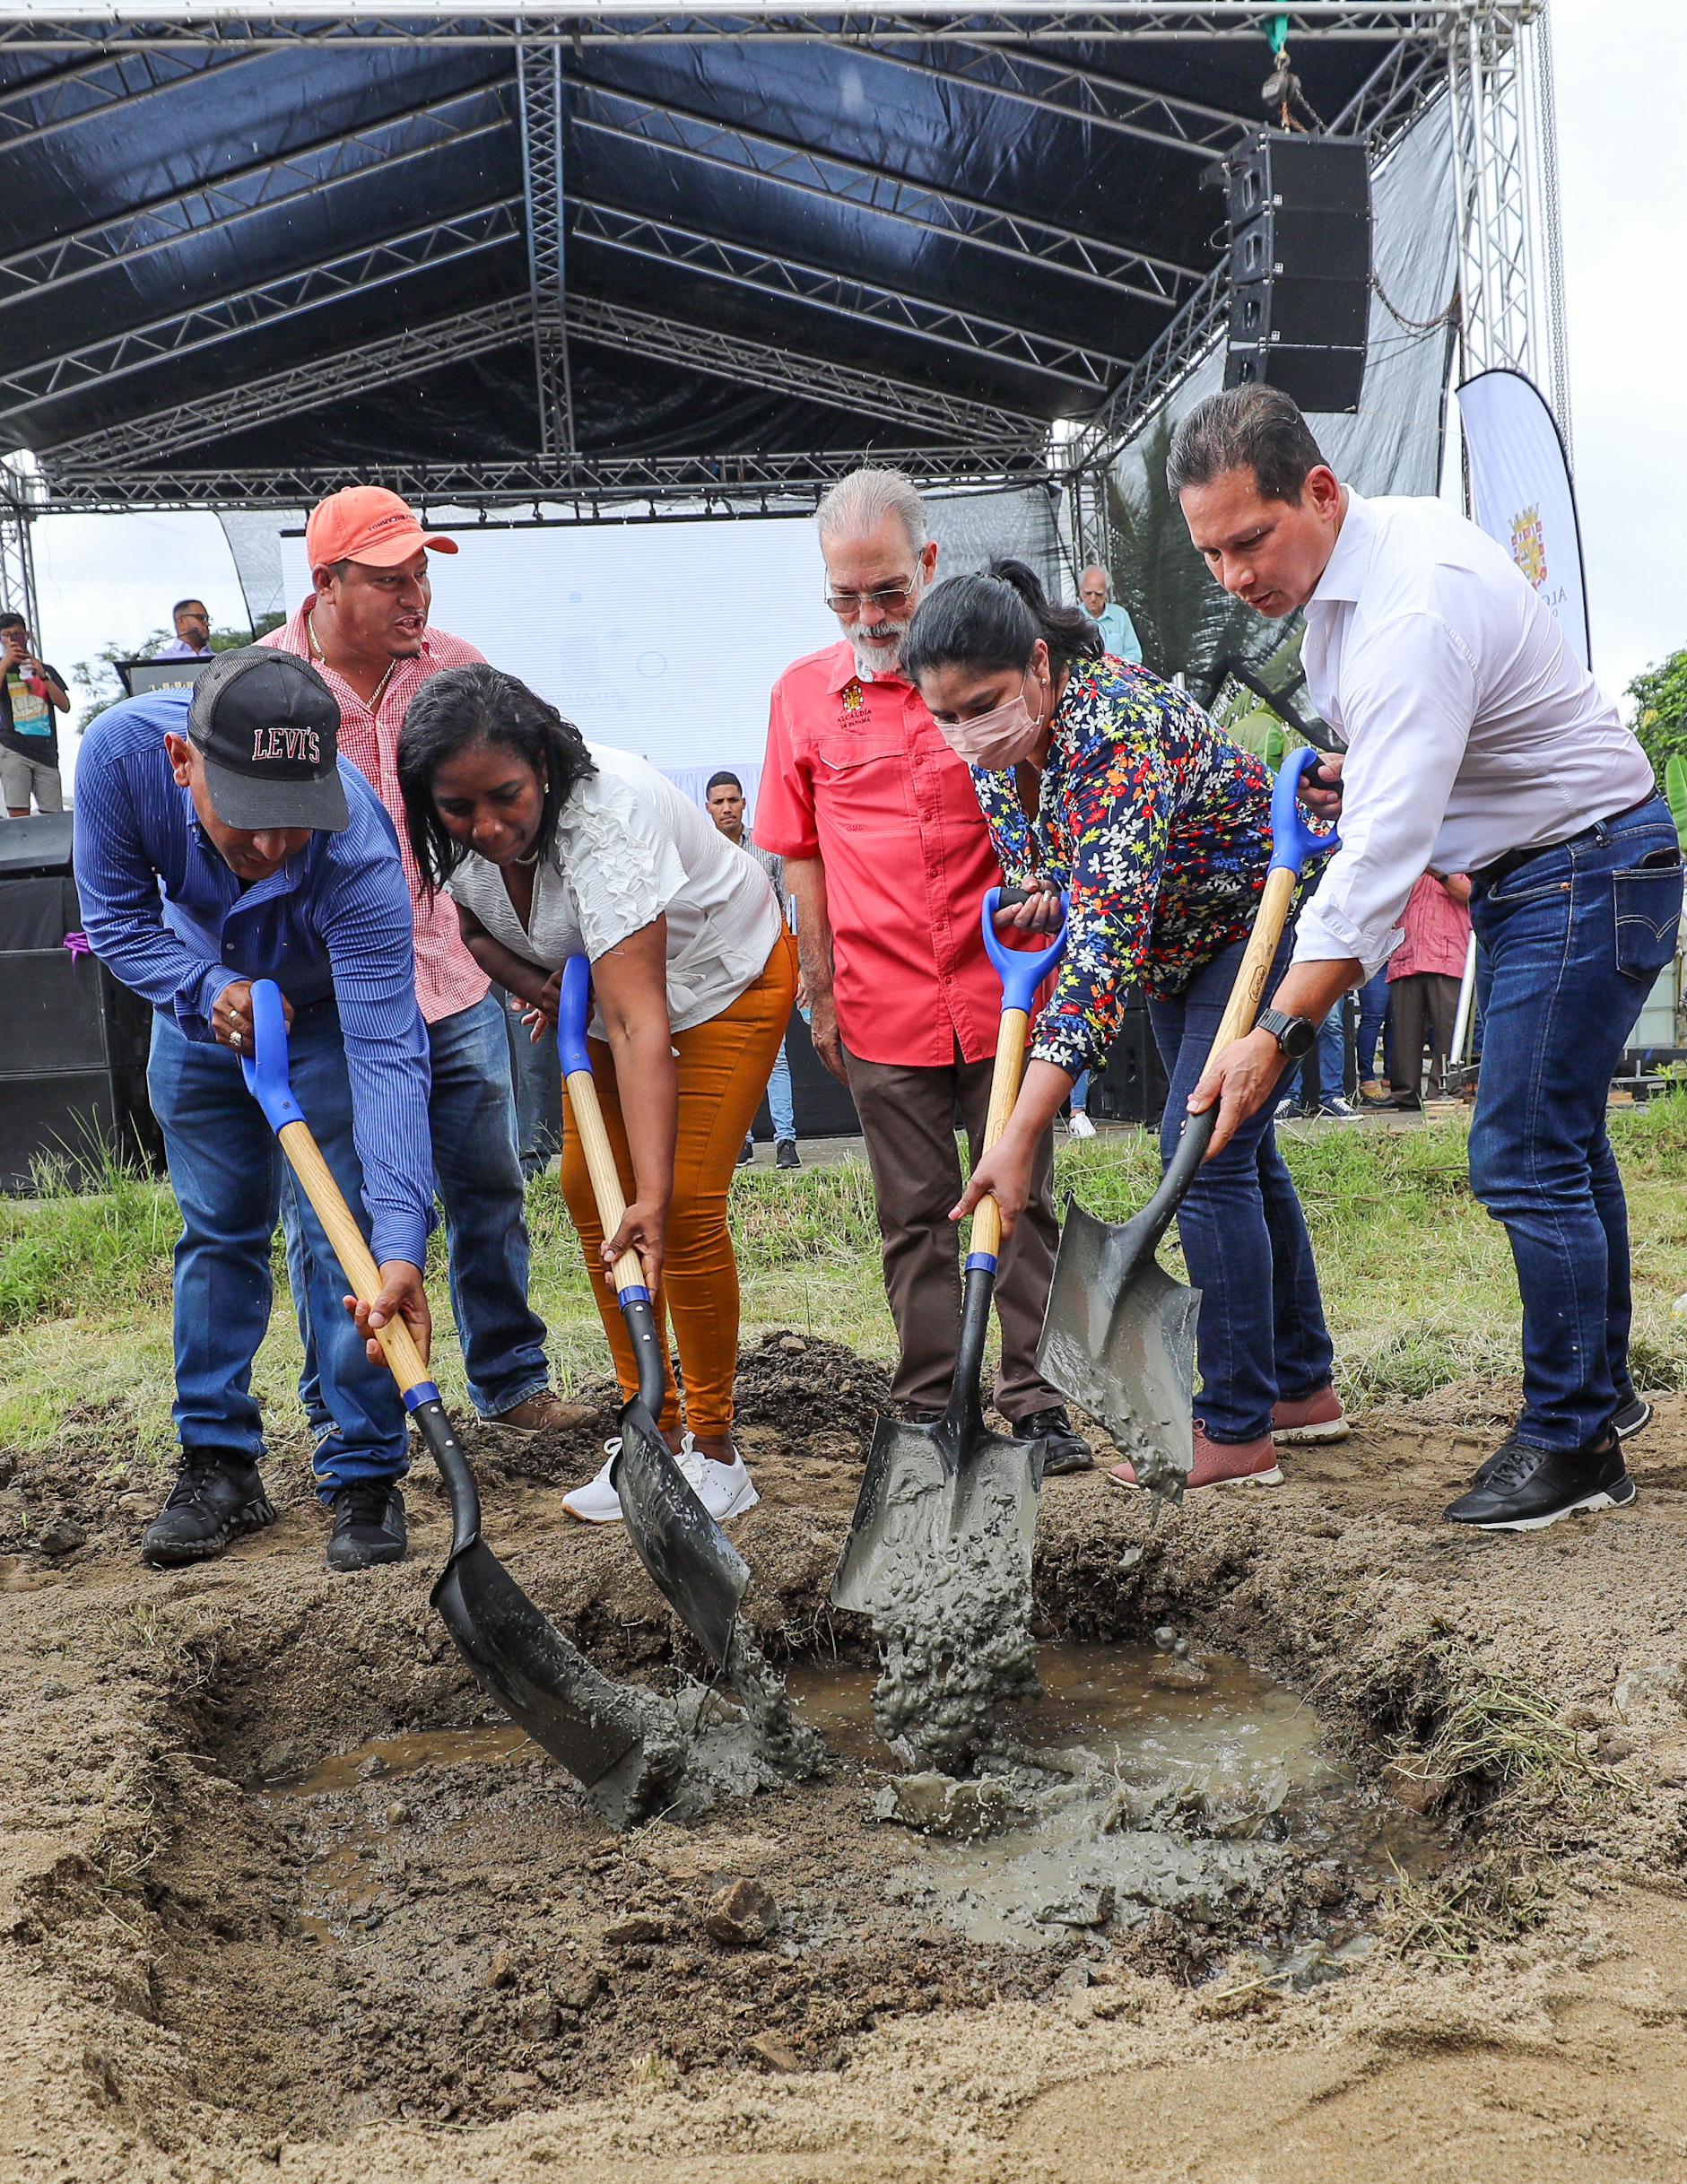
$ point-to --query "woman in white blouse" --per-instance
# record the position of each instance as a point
(550, 847)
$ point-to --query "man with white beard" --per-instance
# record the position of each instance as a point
(887, 859)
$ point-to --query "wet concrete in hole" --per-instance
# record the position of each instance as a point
(1156, 1787)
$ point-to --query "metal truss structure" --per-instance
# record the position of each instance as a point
(1492, 58)
(561, 488)
(1505, 148)
(18, 509)
(1489, 56)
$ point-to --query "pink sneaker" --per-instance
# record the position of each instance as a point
(1318, 1416)
(1220, 1463)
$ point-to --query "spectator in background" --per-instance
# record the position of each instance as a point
(193, 631)
(1376, 1042)
(725, 798)
(30, 693)
(1119, 634)
(887, 858)
(1424, 975)
(365, 627)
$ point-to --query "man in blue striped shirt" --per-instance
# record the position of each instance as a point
(221, 839)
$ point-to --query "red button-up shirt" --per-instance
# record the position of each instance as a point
(858, 774)
(447, 977)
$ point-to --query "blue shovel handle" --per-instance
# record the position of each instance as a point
(266, 1068)
(1292, 840)
(1022, 971)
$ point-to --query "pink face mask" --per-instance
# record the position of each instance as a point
(1004, 736)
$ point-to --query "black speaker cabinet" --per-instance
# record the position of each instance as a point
(73, 1069)
(1300, 268)
(1133, 1086)
(822, 1107)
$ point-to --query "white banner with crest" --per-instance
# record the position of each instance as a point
(1521, 492)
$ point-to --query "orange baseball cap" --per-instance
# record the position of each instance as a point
(366, 522)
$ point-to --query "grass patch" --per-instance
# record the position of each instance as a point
(1418, 1281)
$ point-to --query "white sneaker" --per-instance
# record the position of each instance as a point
(596, 1502)
(1078, 1123)
(725, 1489)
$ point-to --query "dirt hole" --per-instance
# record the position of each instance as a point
(434, 1926)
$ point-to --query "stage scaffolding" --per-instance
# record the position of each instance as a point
(982, 420)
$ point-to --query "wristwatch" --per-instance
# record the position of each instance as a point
(1294, 1034)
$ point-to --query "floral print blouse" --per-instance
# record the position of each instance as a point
(1158, 826)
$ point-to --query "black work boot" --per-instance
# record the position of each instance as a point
(1064, 1450)
(216, 1497)
(369, 1525)
(1519, 1489)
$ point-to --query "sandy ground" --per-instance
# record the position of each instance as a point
(456, 1974)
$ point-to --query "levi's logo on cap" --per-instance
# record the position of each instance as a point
(268, 730)
(301, 743)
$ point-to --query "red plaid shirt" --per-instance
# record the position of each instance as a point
(447, 977)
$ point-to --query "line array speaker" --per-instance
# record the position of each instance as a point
(1299, 213)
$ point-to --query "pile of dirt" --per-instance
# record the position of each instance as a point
(209, 1963)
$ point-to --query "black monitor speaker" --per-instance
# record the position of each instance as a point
(1300, 209)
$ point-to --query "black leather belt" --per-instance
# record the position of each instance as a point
(1505, 865)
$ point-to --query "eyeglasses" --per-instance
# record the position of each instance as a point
(890, 598)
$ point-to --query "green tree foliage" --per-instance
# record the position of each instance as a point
(1660, 710)
(100, 678)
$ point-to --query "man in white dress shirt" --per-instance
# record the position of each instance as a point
(1475, 742)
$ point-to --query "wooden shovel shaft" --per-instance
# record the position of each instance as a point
(357, 1261)
(582, 1088)
(1243, 1006)
(1009, 1066)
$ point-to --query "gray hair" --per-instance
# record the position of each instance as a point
(1246, 428)
(861, 501)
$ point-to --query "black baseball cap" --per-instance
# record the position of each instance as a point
(268, 728)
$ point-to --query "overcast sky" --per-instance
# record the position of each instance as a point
(1620, 66)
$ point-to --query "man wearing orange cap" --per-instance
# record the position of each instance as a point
(365, 629)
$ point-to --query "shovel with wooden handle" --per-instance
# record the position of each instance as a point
(604, 1733)
(1118, 1335)
(691, 1562)
(925, 1483)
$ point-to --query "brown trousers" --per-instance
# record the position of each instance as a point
(1423, 1003)
(908, 1119)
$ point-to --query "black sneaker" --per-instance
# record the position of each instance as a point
(747, 1159)
(369, 1526)
(216, 1497)
(1064, 1450)
(1630, 1415)
(785, 1153)
(1521, 1488)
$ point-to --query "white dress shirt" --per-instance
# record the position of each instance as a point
(1471, 727)
(629, 847)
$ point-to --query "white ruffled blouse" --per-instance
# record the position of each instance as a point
(629, 847)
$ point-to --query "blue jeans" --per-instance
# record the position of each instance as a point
(1261, 1335)
(477, 1173)
(537, 1077)
(1373, 1017)
(1080, 1102)
(227, 1171)
(1332, 1057)
(779, 1099)
(1571, 940)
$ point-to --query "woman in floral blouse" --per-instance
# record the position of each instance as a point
(1099, 778)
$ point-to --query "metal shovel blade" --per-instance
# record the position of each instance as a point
(690, 1560)
(1118, 1340)
(542, 1682)
(923, 1488)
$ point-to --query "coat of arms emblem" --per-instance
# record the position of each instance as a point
(1528, 546)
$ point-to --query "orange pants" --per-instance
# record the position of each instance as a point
(724, 1067)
